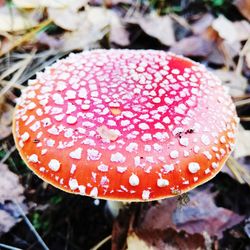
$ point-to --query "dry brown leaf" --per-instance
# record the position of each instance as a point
(12, 20)
(160, 27)
(200, 214)
(244, 7)
(161, 240)
(166, 225)
(193, 46)
(10, 188)
(11, 192)
(237, 84)
(6, 114)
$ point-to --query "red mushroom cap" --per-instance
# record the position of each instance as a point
(125, 124)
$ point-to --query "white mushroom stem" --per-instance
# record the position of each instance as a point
(115, 206)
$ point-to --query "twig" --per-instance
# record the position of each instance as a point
(5, 158)
(12, 69)
(13, 84)
(101, 243)
(245, 118)
(18, 74)
(20, 71)
(234, 170)
(242, 53)
(242, 171)
(39, 238)
(9, 247)
(242, 102)
(41, 67)
(182, 21)
(27, 37)
(241, 174)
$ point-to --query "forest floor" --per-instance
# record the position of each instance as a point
(34, 34)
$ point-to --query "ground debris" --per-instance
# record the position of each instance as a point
(11, 194)
(165, 225)
(159, 27)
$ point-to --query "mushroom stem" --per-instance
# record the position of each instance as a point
(114, 207)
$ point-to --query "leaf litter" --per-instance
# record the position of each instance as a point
(11, 193)
(165, 225)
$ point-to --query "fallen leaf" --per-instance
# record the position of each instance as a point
(203, 215)
(134, 242)
(202, 24)
(6, 222)
(200, 214)
(166, 239)
(236, 84)
(11, 193)
(93, 27)
(6, 114)
(160, 27)
(222, 25)
(118, 33)
(66, 18)
(239, 30)
(243, 7)
(11, 20)
(193, 46)
(243, 30)
(10, 188)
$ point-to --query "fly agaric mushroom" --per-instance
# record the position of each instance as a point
(125, 125)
